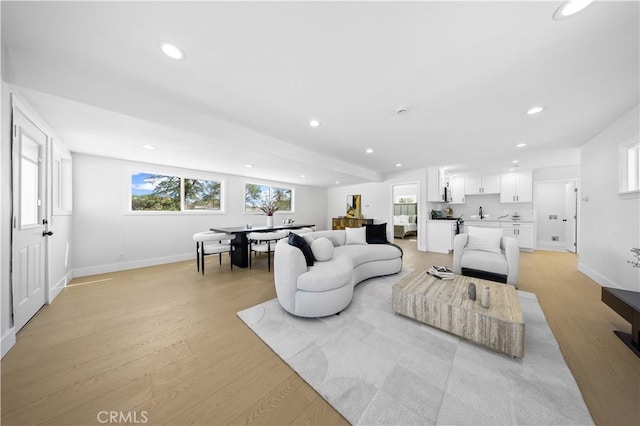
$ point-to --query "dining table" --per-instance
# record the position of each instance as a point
(240, 253)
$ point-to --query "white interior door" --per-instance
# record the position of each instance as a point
(571, 216)
(29, 151)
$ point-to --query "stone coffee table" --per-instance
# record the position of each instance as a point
(444, 304)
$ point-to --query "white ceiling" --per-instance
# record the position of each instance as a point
(257, 72)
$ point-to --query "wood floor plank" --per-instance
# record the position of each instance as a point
(120, 400)
(166, 340)
(57, 395)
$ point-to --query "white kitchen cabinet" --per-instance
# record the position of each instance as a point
(516, 188)
(489, 184)
(457, 190)
(523, 232)
(440, 235)
(437, 180)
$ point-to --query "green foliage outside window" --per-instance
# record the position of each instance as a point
(152, 192)
(256, 195)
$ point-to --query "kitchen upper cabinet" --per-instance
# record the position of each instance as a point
(516, 188)
(437, 180)
(457, 190)
(475, 185)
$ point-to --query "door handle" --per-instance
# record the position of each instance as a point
(47, 233)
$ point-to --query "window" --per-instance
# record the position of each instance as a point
(406, 199)
(633, 160)
(168, 193)
(256, 195)
(630, 168)
(201, 194)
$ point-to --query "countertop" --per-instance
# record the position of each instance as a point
(506, 220)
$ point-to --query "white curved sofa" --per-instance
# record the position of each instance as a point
(327, 287)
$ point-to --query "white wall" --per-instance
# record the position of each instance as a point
(103, 229)
(609, 225)
(557, 173)
(401, 190)
(60, 262)
(377, 200)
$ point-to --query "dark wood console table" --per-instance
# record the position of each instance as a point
(349, 222)
(240, 253)
(626, 303)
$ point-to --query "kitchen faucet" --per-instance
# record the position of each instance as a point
(480, 213)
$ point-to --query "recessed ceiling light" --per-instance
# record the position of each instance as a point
(369, 151)
(302, 176)
(399, 165)
(314, 123)
(514, 161)
(148, 146)
(248, 166)
(535, 110)
(570, 8)
(521, 145)
(337, 182)
(172, 51)
(511, 170)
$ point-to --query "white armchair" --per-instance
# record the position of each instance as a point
(501, 267)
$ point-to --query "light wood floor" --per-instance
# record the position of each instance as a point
(164, 343)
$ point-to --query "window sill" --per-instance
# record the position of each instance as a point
(628, 195)
(172, 213)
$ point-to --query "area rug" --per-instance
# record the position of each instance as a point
(376, 367)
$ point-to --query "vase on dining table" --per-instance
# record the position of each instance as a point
(269, 220)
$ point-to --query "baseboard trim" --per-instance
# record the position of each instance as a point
(59, 286)
(134, 264)
(8, 340)
(597, 277)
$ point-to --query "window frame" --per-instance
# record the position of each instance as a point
(271, 187)
(623, 166)
(182, 176)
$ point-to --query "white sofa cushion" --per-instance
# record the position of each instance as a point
(356, 235)
(323, 276)
(484, 261)
(485, 239)
(358, 255)
(337, 238)
(322, 249)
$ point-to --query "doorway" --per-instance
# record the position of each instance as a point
(29, 152)
(405, 209)
(556, 205)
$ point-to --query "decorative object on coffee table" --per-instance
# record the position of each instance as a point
(484, 301)
(445, 305)
(471, 291)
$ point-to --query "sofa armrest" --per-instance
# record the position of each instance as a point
(459, 242)
(512, 253)
(288, 265)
